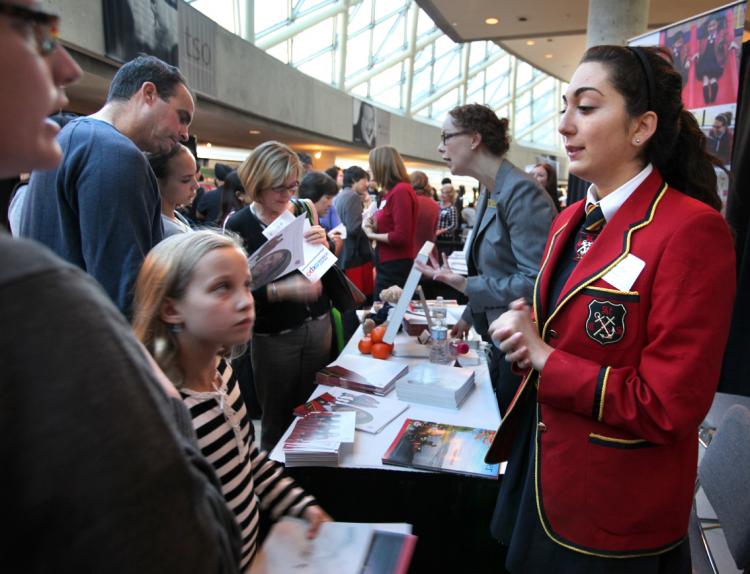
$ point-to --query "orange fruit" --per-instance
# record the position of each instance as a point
(365, 345)
(377, 334)
(382, 350)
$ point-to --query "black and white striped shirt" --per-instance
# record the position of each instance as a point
(249, 479)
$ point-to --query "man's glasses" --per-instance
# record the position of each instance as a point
(444, 137)
(282, 188)
(44, 25)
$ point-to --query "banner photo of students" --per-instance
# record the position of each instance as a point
(706, 51)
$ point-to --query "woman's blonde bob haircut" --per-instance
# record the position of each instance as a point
(268, 165)
(165, 274)
(387, 167)
(450, 192)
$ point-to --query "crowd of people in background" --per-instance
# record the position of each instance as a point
(138, 453)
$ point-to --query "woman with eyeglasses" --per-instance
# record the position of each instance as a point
(506, 243)
(292, 336)
(622, 349)
(394, 224)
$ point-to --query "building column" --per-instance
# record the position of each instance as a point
(614, 21)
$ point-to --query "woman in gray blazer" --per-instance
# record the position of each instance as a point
(505, 247)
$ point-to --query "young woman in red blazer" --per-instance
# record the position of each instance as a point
(622, 345)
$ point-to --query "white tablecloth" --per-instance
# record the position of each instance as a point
(479, 410)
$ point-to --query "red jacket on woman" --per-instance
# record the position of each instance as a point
(398, 218)
(632, 375)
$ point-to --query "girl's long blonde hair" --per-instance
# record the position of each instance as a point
(166, 273)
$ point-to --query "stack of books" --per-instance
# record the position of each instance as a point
(318, 438)
(363, 374)
(372, 413)
(442, 448)
(436, 385)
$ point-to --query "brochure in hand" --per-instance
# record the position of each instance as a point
(340, 547)
(318, 438)
(362, 374)
(442, 448)
(281, 254)
(436, 385)
(372, 413)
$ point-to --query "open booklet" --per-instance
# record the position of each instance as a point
(340, 547)
(317, 259)
(281, 254)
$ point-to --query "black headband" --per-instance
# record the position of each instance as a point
(648, 72)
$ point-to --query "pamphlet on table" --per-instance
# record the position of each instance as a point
(372, 413)
(442, 448)
(436, 385)
(361, 373)
(318, 438)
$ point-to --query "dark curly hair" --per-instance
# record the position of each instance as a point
(482, 120)
(677, 148)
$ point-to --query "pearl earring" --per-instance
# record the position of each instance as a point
(637, 141)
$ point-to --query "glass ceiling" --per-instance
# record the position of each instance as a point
(391, 53)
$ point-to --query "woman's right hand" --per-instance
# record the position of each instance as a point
(368, 225)
(460, 329)
(297, 288)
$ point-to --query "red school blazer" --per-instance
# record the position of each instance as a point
(633, 374)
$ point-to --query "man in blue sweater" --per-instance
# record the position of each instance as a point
(100, 209)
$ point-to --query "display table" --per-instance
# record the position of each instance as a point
(450, 513)
(479, 410)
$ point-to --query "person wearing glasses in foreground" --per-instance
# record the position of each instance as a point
(101, 469)
(292, 336)
(623, 343)
(513, 218)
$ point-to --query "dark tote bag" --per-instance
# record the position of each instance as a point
(344, 294)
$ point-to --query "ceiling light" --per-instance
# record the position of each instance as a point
(491, 21)
(530, 42)
(548, 56)
(318, 154)
(254, 132)
(208, 144)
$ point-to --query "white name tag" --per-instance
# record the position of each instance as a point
(623, 275)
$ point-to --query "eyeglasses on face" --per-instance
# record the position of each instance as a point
(282, 188)
(43, 24)
(444, 137)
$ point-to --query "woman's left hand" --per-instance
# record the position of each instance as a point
(516, 336)
(316, 235)
(315, 516)
(442, 273)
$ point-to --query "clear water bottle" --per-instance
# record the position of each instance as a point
(440, 349)
(439, 313)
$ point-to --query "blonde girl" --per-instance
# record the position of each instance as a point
(193, 311)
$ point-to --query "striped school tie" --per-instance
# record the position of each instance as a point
(594, 219)
(589, 231)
